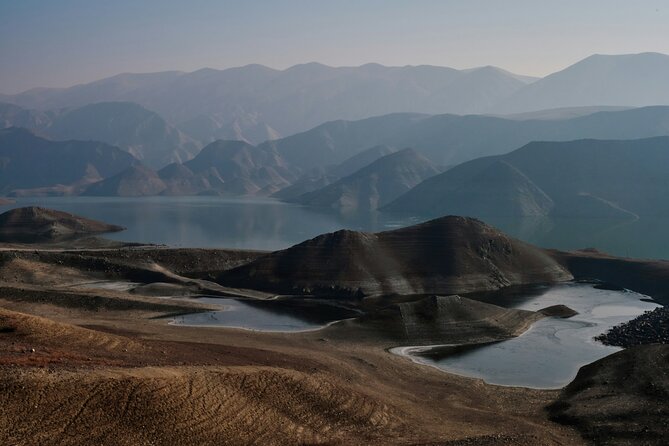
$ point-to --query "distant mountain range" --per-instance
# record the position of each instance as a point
(30, 165)
(221, 168)
(141, 132)
(256, 103)
(631, 79)
(135, 181)
(374, 185)
(320, 177)
(444, 139)
(584, 178)
(305, 167)
(98, 147)
(244, 169)
(452, 139)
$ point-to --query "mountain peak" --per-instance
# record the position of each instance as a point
(642, 55)
(375, 184)
(602, 80)
(448, 255)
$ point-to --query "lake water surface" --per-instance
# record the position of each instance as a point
(547, 356)
(215, 222)
(269, 316)
(267, 224)
(550, 353)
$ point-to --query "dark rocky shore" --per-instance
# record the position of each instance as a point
(652, 327)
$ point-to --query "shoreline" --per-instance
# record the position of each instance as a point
(441, 406)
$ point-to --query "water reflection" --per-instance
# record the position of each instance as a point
(214, 221)
(268, 224)
(640, 238)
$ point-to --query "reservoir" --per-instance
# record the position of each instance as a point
(549, 354)
(268, 224)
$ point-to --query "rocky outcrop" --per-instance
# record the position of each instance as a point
(652, 327)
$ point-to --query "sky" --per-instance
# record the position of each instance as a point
(58, 43)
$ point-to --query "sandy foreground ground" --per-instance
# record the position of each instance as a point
(83, 365)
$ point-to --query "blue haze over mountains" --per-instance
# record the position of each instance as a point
(214, 132)
(257, 103)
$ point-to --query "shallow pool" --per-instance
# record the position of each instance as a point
(269, 316)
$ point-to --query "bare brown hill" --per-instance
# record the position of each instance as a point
(621, 399)
(438, 320)
(33, 341)
(180, 405)
(99, 384)
(35, 224)
(448, 255)
(102, 366)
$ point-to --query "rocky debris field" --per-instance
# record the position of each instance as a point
(652, 327)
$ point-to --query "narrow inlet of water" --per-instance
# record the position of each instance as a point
(549, 354)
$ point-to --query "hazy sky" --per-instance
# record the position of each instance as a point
(65, 42)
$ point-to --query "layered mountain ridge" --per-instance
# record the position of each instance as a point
(452, 139)
(582, 178)
(256, 103)
(221, 168)
(30, 165)
(376, 184)
(129, 126)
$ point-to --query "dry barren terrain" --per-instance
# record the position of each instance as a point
(85, 364)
